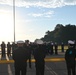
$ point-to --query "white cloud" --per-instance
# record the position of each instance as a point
(6, 2)
(44, 14)
(35, 14)
(39, 3)
(42, 3)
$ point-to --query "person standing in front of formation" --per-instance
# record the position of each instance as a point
(20, 57)
(39, 55)
(70, 56)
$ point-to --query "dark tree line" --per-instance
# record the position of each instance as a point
(60, 34)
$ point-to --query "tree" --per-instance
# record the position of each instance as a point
(61, 34)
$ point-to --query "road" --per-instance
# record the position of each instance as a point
(54, 65)
(51, 68)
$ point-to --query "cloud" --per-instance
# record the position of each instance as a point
(36, 14)
(6, 2)
(39, 3)
(44, 14)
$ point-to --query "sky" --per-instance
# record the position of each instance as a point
(33, 18)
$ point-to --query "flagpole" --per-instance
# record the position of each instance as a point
(14, 18)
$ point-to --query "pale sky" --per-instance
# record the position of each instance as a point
(34, 17)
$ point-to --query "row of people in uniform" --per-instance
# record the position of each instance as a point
(50, 48)
(22, 54)
(7, 48)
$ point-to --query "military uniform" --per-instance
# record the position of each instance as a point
(39, 55)
(20, 56)
(70, 60)
(8, 49)
(3, 46)
(56, 48)
(62, 47)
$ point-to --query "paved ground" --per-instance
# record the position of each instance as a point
(55, 65)
(51, 68)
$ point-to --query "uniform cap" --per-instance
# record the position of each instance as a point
(38, 41)
(51, 43)
(20, 41)
(71, 42)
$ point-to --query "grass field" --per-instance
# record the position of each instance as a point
(65, 47)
